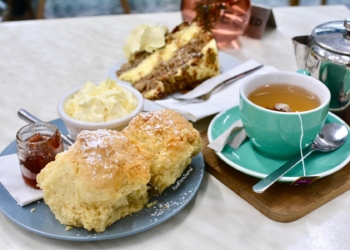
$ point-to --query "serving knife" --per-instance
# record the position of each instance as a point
(28, 117)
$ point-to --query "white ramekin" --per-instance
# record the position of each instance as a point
(74, 126)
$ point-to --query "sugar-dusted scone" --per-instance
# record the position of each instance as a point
(168, 140)
(100, 179)
(189, 57)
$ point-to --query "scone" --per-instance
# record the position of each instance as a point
(168, 140)
(100, 179)
(189, 57)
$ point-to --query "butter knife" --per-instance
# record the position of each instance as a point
(28, 117)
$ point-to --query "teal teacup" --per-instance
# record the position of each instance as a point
(278, 134)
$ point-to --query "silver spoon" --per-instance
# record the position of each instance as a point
(331, 137)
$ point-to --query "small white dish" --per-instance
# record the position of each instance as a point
(74, 126)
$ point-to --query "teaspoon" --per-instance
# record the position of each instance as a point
(331, 137)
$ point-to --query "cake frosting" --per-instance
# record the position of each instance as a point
(144, 38)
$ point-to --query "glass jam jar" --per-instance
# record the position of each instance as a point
(37, 145)
(226, 19)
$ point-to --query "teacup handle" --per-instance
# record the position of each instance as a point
(304, 72)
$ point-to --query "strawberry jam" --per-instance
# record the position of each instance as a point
(37, 145)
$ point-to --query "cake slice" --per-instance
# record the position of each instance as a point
(189, 57)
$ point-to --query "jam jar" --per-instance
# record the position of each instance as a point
(37, 145)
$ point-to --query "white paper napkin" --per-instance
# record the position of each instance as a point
(238, 139)
(222, 99)
(219, 143)
(11, 179)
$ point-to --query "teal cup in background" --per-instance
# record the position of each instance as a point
(278, 134)
(336, 78)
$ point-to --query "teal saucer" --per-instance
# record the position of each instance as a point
(247, 160)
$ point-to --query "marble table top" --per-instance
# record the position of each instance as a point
(41, 60)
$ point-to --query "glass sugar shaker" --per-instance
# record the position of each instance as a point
(226, 19)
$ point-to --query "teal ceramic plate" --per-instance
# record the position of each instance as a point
(247, 160)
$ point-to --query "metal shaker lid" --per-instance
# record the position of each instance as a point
(333, 36)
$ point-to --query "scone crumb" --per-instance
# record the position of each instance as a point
(32, 210)
(151, 204)
(69, 228)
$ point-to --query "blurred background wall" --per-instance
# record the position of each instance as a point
(27, 9)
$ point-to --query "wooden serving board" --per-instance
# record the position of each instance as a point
(281, 202)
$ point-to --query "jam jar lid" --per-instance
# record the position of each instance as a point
(333, 36)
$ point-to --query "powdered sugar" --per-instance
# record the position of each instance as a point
(157, 121)
(91, 143)
(98, 138)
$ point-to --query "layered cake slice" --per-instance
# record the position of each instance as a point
(189, 57)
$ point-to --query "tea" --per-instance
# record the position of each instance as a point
(271, 96)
